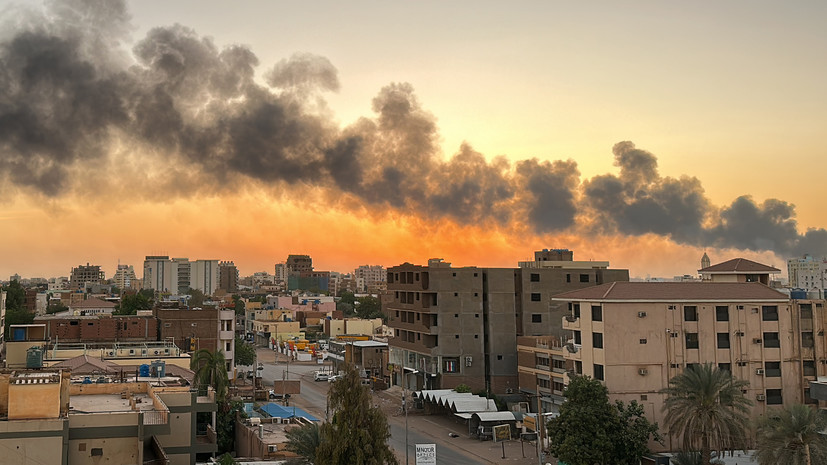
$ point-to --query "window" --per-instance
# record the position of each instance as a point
(535, 296)
(769, 312)
(499, 357)
(568, 278)
(97, 452)
(807, 339)
(772, 369)
(456, 336)
(809, 367)
(576, 310)
(536, 318)
(690, 313)
(806, 311)
(774, 397)
(691, 340)
(643, 341)
(597, 313)
(578, 367)
(723, 340)
(597, 340)
(808, 399)
(535, 277)
(598, 372)
(771, 340)
(725, 367)
(577, 338)
(721, 313)
(450, 365)
(584, 278)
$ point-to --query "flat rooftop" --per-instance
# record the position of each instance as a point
(99, 403)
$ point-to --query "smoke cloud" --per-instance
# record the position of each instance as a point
(72, 96)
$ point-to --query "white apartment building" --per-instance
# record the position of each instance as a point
(809, 274)
(204, 276)
(159, 274)
(178, 275)
(124, 278)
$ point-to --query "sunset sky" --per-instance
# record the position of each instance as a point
(385, 132)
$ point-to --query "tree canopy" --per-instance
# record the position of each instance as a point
(369, 307)
(706, 407)
(245, 354)
(304, 441)
(793, 435)
(238, 305)
(16, 312)
(131, 303)
(210, 370)
(358, 433)
(591, 430)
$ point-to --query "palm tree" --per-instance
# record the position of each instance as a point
(793, 435)
(690, 458)
(706, 407)
(210, 370)
(304, 441)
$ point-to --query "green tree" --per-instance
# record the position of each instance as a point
(238, 305)
(705, 406)
(691, 458)
(632, 433)
(210, 370)
(578, 436)
(793, 435)
(358, 433)
(131, 303)
(197, 298)
(225, 424)
(226, 459)
(15, 296)
(346, 309)
(245, 354)
(304, 441)
(462, 388)
(56, 308)
(369, 307)
(347, 297)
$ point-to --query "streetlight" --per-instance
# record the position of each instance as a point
(405, 404)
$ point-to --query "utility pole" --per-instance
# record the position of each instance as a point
(539, 429)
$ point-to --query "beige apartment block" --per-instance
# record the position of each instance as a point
(635, 336)
(47, 417)
(543, 370)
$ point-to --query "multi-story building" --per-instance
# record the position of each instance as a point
(97, 329)
(2, 319)
(159, 274)
(125, 278)
(808, 274)
(205, 276)
(459, 325)
(543, 370)
(371, 278)
(183, 275)
(636, 336)
(297, 264)
(84, 276)
(48, 417)
(205, 328)
(228, 276)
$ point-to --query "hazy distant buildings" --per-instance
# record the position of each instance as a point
(178, 275)
(371, 279)
(125, 278)
(297, 264)
(85, 276)
(228, 276)
(808, 274)
(159, 274)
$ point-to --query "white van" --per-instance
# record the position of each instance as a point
(320, 376)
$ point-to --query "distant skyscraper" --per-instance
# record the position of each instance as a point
(809, 274)
(205, 276)
(297, 264)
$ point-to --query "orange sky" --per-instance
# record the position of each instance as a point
(727, 100)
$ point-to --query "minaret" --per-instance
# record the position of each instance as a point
(705, 261)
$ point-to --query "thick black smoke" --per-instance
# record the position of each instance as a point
(71, 97)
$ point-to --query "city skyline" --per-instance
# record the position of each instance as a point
(625, 133)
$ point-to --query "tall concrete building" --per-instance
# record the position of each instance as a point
(371, 278)
(297, 264)
(228, 276)
(206, 328)
(160, 274)
(808, 274)
(125, 278)
(84, 276)
(460, 325)
(183, 275)
(204, 276)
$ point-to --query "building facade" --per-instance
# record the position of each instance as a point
(808, 274)
(125, 278)
(84, 276)
(206, 328)
(228, 276)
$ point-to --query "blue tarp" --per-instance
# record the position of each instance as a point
(279, 411)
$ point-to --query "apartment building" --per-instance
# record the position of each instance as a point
(95, 328)
(371, 278)
(808, 274)
(48, 417)
(460, 325)
(636, 336)
(202, 328)
(543, 370)
(125, 278)
(228, 276)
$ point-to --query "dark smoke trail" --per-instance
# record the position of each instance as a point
(70, 94)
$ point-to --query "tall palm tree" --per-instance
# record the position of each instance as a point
(210, 370)
(706, 407)
(794, 435)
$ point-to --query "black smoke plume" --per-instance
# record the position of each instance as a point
(70, 93)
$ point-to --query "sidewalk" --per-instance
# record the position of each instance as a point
(439, 427)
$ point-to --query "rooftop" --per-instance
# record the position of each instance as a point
(675, 291)
(739, 265)
(97, 403)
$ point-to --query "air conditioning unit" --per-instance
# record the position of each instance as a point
(166, 351)
(761, 397)
(672, 307)
(272, 448)
(156, 352)
(757, 340)
(740, 307)
(759, 371)
(641, 314)
(468, 361)
(643, 371)
(255, 421)
(754, 309)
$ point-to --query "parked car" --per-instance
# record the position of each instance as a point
(332, 378)
(321, 376)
